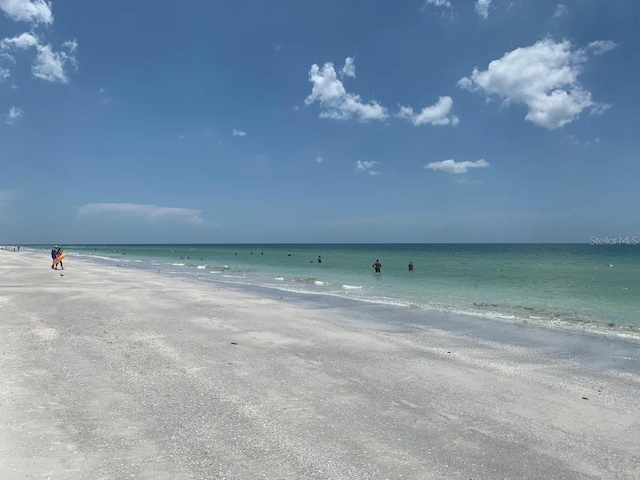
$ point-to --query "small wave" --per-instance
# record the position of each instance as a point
(306, 280)
(111, 259)
(201, 267)
(233, 276)
(280, 279)
(178, 264)
(319, 283)
(217, 269)
(352, 287)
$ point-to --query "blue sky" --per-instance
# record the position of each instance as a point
(293, 121)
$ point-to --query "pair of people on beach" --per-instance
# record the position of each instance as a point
(377, 266)
(55, 253)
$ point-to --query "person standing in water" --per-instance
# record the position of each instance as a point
(377, 266)
(411, 265)
(319, 259)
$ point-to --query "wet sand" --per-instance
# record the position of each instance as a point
(113, 373)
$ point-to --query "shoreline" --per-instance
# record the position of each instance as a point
(127, 372)
(629, 332)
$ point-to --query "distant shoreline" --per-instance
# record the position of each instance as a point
(303, 285)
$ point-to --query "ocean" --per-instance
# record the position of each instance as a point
(593, 287)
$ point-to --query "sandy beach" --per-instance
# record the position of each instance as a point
(114, 373)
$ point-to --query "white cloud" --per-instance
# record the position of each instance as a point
(24, 41)
(4, 74)
(146, 212)
(34, 11)
(238, 133)
(15, 113)
(319, 159)
(104, 100)
(560, 10)
(335, 101)
(445, 7)
(437, 114)
(366, 166)
(50, 65)
(482, 8)
(600, 47)
(581, 142)
(349, 69)
(438, 3)
(451, 166)
(70, 45)
(543, 76)
(600, 108)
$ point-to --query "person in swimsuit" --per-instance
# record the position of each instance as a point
(411, 265)
(377, 266)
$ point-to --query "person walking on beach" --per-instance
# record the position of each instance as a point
(58, 253)
(411, 265)
(54, 252)
(377, 266)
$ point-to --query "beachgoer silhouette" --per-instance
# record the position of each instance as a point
(411, 265)
(54, 251)
(319, 259)
(377, 266)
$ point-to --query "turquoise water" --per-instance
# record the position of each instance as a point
(562, 284)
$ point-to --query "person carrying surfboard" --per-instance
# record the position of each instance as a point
(58, 253)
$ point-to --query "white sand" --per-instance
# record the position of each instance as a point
(111, 373)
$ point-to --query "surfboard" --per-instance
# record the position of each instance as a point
(59, 258)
